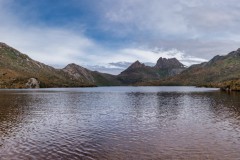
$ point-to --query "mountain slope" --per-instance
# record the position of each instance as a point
(138, 72)
(79, 73)
(82, 74)
(16, 68)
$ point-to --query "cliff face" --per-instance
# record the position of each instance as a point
(138, 72)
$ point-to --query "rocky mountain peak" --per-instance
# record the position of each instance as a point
(78, 72)
(136, 65)
(164, 63)
(73, 68)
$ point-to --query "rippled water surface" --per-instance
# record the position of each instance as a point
(119, 123)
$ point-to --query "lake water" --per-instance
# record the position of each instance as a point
(124, 123)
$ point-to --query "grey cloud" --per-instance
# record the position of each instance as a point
(173, 17)
(199, 28)
(201, 48)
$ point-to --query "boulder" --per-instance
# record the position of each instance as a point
(33, 83)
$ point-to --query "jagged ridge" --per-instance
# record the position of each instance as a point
(139, 72)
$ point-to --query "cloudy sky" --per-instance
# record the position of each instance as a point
(106, 35)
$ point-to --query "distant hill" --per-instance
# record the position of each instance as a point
(139, 72)
(221, 71)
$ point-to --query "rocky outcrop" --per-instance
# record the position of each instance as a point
(33, 83)
(164, 63)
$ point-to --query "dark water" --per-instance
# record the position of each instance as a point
(119, 123)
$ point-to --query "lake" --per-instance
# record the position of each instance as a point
(119, 123)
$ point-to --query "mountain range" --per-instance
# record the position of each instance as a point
(18, 70)
(139, 72)
(221, 71)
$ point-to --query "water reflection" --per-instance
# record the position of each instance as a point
(14, 111)
(113, 124)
